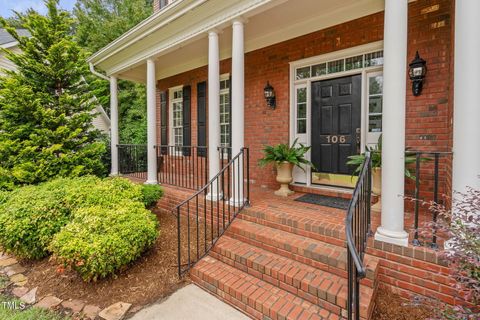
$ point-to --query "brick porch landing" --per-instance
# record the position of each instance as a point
(282, 259)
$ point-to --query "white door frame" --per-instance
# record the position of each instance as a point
(305, 178)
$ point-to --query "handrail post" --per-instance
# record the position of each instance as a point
(434, 244)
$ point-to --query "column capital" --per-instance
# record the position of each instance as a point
(214, 32)
(239, 21)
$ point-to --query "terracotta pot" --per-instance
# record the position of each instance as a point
(284, 177)
(377, 181)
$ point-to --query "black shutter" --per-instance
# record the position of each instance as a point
(163, 121)
(187, 123)
(202, 118)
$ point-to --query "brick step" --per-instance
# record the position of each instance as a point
(320, 223)
(255, 297)
(318, 254)
(322, 288)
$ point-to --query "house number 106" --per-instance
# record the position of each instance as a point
(336, 139)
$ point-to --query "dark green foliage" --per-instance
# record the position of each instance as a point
(100, 241)
(99, 23)
(46, 108)
(285, 153)
(151, 194)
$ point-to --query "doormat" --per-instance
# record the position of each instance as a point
(332, 202)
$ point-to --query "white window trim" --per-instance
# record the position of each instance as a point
(306, 178)
(170, 112)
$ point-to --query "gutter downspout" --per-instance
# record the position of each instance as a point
(98, 74)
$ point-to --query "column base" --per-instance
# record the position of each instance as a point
(394, 237)
(114, 174)
(236, 202)
(214, 197)
(151, 182)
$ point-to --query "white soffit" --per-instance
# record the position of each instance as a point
(274, 22)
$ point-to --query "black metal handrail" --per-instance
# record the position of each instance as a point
(421, 179)
(132, 159)
(205, 216)
(358, 230)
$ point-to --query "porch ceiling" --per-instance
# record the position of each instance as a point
(182, 44)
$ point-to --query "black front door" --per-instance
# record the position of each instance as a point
(336, 117)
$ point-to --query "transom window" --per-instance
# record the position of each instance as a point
(225, 113)
(177, 115)
(371, 59)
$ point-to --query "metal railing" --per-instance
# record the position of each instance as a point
(357, 227)
(182, 166)
(132, 160)
(205, 216)
(427, 187)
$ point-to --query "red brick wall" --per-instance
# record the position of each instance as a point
(428, 116)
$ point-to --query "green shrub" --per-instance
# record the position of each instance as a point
(30, 217)
(151, 193)
(100, 241)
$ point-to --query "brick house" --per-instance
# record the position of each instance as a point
(340, 75)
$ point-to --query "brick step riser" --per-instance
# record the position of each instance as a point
(328, 267)
(303, 289)
(281, 283)
(340, 241)
(254, 296)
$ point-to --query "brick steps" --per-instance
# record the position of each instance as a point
(305, 223)
(321, 288)
(255, 297)
(318, 254)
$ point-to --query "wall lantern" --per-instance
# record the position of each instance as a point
(269, 94)
(417, 72)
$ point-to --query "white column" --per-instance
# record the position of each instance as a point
(238, 101)
(151, 123)
(466, 113)
(393, 123)
(114, 125)
(213, 111)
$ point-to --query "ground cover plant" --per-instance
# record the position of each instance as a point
(95, 226)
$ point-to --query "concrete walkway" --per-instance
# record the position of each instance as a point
(190, 303)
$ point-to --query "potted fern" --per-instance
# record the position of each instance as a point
(285, 157)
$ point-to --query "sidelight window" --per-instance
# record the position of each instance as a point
(375, 102)
(301, 112)
(225, 113)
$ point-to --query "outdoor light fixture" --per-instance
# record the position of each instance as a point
(269, 94)
(418, 69)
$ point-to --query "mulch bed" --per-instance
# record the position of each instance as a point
(150, 278)
(389, 306)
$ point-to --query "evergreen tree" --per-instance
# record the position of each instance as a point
(46, 107)
(99, 22)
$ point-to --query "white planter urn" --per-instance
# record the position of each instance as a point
(284, 177)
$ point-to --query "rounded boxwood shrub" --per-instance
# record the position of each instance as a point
(151, 193)
(29, 218)
(99, 241)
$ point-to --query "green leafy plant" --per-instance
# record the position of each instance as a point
(285, 153)
(151, 193)
(31, 216)
(100, 241)
(376, 156)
